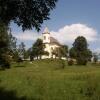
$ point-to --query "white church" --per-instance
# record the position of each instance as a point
(50, 43)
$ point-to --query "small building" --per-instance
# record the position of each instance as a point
(50, 44)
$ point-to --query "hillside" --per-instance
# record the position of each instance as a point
(46, 80)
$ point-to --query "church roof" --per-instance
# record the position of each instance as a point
(54, 41)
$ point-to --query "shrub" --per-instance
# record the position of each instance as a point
(70, 62)
(19, 60)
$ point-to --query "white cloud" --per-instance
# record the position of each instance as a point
(97, 50)
(65, 35)
(27, 36)
(68, 33)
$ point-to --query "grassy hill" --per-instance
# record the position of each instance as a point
(47, 80)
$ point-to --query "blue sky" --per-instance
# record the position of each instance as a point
(69, 16)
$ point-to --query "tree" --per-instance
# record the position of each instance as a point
(3, 36)
(72, 53)
(12, 42)
(64, 50)
(26, 54)
(60, 51)
(26, 13)
(80, 51)
(13, 46)
(4, 46)
(21, 50)
(89, 54)
(30, 55)
(38, 49)
(8, 49)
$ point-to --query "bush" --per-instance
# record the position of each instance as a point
(19, 60)
(70, 62)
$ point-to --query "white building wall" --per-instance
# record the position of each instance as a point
(48, 47)
(46, 38)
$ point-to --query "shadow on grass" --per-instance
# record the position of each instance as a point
(19, 66)
(11, 95)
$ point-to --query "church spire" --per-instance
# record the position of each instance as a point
(46, 30)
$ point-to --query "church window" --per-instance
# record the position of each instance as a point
(44, 37)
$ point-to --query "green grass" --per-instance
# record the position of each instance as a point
(47, 80)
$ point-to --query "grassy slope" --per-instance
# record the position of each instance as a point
(46, 80)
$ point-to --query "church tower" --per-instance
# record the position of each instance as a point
(46, 40)
(46, 36)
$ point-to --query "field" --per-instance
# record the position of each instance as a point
(47, 80)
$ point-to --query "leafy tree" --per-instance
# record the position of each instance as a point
(26, 54)
(60, 51)
(80, 51)
(38, 49)
(13, 52)
(26, 13)
(4, 46)
(64, 50)
(30, 54)
(12, 42)
(8, 49)
(21, 50)
(16, 55)
(80, 43)
(3, 36)
(72, 53)
(89, 54)
(34, 52)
